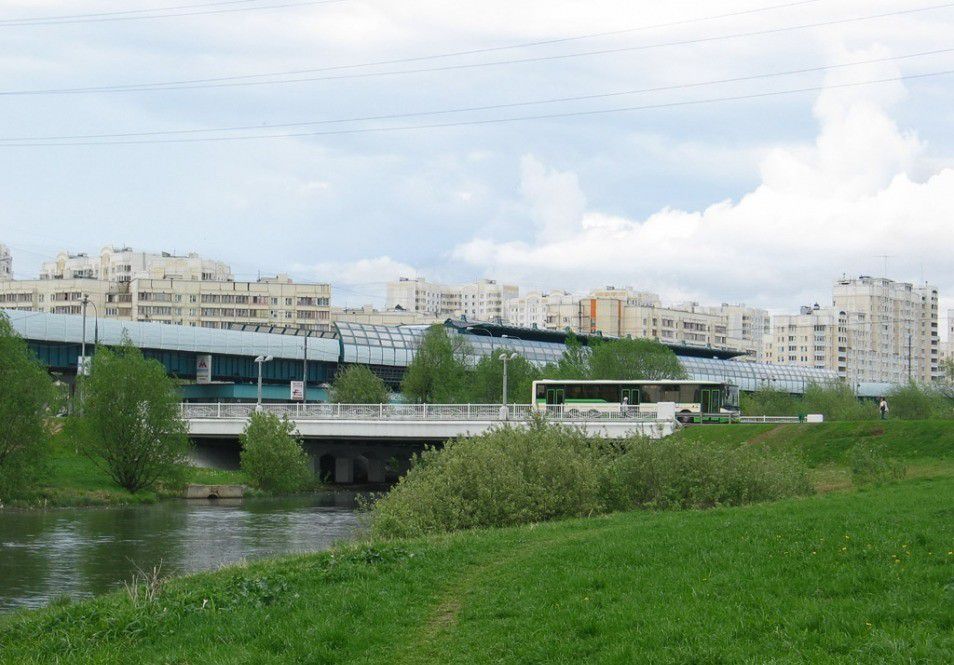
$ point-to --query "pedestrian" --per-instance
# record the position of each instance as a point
(624, 405)
(883, 408)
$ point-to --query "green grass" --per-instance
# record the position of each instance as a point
(851, 577)
(74, 480)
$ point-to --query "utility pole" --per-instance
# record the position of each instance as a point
(909, 357)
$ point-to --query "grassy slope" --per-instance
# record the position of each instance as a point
(74, 480)
(844, 577)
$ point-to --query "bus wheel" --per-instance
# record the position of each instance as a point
(684, 417)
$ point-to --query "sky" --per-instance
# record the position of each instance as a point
(727, 151)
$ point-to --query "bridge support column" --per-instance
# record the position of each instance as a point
(344, 470)
(375, 470)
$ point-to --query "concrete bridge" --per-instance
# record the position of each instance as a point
(359, 441)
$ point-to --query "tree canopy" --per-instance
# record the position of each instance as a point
(486, 382)
(634, 359)
(357, 384)
(27, 395)
(271, 455)
(130, 422)
(438, 374)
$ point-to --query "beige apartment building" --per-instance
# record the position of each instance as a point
(877, 331)
(901, 321)
(383, 317)
(483, 300)
(556, 310)
(184, 290)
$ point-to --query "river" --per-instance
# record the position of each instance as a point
(86, 551)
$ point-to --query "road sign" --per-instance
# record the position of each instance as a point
(297, 390)
(203, 368)
(83, 363)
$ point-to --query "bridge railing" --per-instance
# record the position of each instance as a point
(448, 412)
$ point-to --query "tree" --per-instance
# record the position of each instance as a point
(26, 397)
(574, 363)
(271, 455)
(635, 359)
(357, 384)
(486, 381)
(130, 423)
(438, 373)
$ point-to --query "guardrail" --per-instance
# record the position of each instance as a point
(438, 412)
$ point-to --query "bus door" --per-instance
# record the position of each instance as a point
(711, 400)
(555, 398)
(631, 395)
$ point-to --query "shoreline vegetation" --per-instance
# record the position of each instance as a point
(857, 572)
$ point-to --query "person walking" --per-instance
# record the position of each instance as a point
(624, 406)
(883, 408)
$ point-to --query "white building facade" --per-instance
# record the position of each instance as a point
(6, 263)
(483, 300)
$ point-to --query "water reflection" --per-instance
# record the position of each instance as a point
(81, 552)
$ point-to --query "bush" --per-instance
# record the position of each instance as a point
(767, 402)
(674, 473)
(871, 464)
(357, 384)
(512, 475)
(271, 455)
(915, 402)
(519, 475)
(837, 402)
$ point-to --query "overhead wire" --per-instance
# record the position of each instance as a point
(487, 107)
(108, 17)
(243, 80)
(491, 121)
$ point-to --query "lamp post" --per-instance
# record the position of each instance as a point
(86, 301)
(506, 357)
(261, 360)
(486, 332)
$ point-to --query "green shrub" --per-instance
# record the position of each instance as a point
(916, 402)
(837, 402)
(768, 402)
(512, 475)
(357, 384)
(676, 473)
(871, 464)
(271, 455)
(519, 475)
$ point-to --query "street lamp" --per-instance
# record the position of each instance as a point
(261, 360)
(486, 332)
(505, 357)
(86, 301)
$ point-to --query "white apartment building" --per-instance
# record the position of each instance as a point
(557, 310)
(901, 321)
(483, 300)
(877, 331)
(6, 262)
(747, 328)
(124, 264)
(184, 290)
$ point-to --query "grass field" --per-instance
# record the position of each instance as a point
(74, 480)
(857, 576)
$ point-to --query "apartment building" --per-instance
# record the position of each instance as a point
(6, 263)
(556, 310)
(623, 312)
(185, 290)
(901, 321)
(483, 300)
(747, 328)
(368, 315)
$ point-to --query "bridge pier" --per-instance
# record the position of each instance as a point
(376, 467)
(344, 470)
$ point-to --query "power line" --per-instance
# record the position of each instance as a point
(465, 109)
(127, 15)
(243, 80)
(491, 121)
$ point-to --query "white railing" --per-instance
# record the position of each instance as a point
(447, 412)
(769, 420)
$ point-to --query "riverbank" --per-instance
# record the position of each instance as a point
(72, 480)
(851, 575)
(857, 576)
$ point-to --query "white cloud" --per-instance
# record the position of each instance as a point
(357, 282)
(819, 210)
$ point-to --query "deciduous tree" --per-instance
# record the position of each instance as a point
(357, 384)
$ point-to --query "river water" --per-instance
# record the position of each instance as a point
(85, 551)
